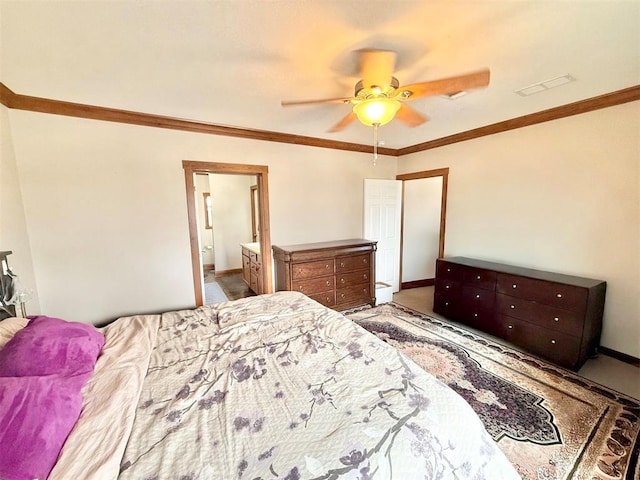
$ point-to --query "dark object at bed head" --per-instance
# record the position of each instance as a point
(6, 287)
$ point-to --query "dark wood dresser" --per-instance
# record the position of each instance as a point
(338, 274)
(557, 317)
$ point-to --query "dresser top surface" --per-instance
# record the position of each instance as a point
(353, 242)
(526, 272)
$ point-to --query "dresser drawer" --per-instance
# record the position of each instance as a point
(352, 278)
(478, 318)
(540, 314)
(312, 269)
(558, 347)
(478, 298)
(567, 297)
(447, 304)
(255, 281)
(314, 285)
(479, 278)
(354, 294)
(449, 271)
(445, 286)
(246, 263)
(328, 299)
(355, 262)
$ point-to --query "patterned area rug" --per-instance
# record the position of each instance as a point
(550, 422)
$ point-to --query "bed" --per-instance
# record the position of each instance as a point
(269, 387)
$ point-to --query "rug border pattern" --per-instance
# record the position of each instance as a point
(614, 463)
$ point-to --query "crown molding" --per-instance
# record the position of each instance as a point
(57, 107)
(618, 97)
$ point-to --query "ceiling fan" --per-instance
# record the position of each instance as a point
(378, 96)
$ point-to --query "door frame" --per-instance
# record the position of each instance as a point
(440, 172)
(262, 174)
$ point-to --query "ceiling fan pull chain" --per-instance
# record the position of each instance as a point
(375, 143)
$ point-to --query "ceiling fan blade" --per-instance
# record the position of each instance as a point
(376, 67)
(409, 116)
(343, 123)
(294, 103)
(446, 86)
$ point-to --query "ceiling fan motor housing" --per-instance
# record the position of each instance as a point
(363, 93)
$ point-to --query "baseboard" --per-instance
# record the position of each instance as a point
(427, 282)
(222, 273)
(623, 357)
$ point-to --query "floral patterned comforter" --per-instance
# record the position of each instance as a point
(279, 387)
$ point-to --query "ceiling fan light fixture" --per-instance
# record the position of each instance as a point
(376, 111)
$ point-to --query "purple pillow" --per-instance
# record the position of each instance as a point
(49, 346)
(42, 371)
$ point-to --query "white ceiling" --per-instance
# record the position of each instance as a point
(232, 62)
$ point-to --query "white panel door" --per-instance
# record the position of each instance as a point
(382, 208)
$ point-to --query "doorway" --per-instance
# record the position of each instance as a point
(260, 172)
(422, 240)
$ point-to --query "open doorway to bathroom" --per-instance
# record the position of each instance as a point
(236, 193)
(227, 222)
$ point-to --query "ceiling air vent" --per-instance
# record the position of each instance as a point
(455, 95)
(546, 85)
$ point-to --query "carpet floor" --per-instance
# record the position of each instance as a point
(550, 422)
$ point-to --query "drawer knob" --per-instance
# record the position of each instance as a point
(342, 264)
(446, 304)
(365, 260)
(328, 282)
(327, 266)
(341, 280)
(301, 288)
(556, 319)
(342, 295)
(512, 306)
(478, 277)
(514, 286)
(553, 341)
(475, 314)
(559, 295)
(365, 276)
(448, 269)
(510, 327)
(477, 295)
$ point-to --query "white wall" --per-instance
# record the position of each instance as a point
(421, 228)
(13, 229)
(231, 217)
(120, 244)
(560, 196)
